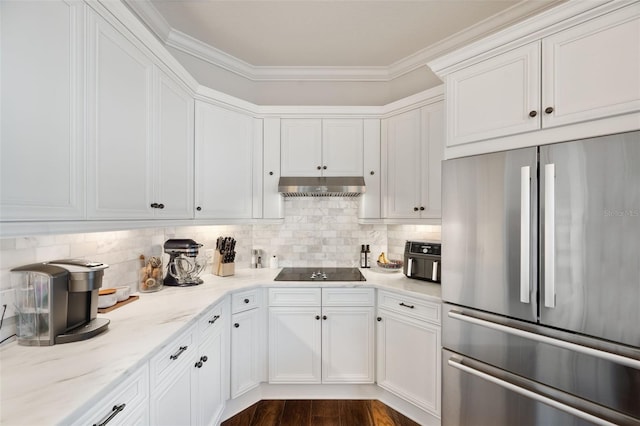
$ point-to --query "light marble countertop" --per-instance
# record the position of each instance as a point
(45, 385)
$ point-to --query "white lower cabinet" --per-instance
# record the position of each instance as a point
(247, 341)
(188, 376)
(321, 335)
(127, 404)
(408, 349)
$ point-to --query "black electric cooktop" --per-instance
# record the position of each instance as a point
(320, 274)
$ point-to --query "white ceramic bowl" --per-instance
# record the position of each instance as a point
(122, 293)
(106, 300)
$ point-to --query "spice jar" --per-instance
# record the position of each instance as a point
(150, 277)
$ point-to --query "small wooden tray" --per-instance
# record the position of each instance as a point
(117, 305)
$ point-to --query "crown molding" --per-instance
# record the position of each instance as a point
(205, 52)
(534, 28)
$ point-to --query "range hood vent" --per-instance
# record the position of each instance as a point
(347, 186)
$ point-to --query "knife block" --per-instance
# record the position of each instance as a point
(222, 269)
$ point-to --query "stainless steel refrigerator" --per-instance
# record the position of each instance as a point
(541, 285)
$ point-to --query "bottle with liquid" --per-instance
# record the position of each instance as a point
(367, 257)
(363, 257)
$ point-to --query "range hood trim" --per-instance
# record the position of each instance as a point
(325, 186)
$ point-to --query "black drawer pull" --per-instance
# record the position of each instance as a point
(114, 412)
(177, 354)
(246, 300)
(214, 319)
(407, 306)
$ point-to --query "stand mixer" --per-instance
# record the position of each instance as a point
(183, 267)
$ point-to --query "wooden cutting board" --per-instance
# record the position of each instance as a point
(117, 305)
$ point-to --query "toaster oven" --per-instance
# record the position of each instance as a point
(422, 261)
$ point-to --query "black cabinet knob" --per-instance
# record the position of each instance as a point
(204, 358)
(154, 205)
(421, 208)
(236, 325)
(372, 173)
(270, 173)
(198, 364)
(324, 167)
(415, 209)
(246, 300)
(533, 113)
(324, 317)
(198, 208)
(379, 319)
(319, 167)
(161, 206)
(317, 317)
(548, 110)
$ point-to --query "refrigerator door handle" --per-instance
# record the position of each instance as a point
(527, 393)
(619, 359)
(549, 236)
(525, 233)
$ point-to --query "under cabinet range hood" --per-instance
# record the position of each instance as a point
(332, 186)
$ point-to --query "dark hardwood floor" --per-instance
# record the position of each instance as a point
(319, 412)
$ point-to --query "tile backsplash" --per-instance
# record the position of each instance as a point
(315, 232)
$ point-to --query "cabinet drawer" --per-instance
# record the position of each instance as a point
(294, 297)
(171, 357)
(410, 306)
(245, 300)
(212, 319)
(348, 297)
(127, 400)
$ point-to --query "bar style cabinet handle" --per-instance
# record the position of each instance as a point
(525, 233)
(549, 236)
(529, 394)
(214, 319)
(114, 412)
(177, 354)
(406, 306)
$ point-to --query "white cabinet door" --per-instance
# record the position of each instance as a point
(370, 201)
(403, 165)
(348, 344)
(224, 163)
(119, 101)
(496, 97)
(414, 148)
(408, 361)
(592, 70)
(272, 201)
(246, 351)
(301, 147)
(173, 149)
(294, 345)
(175, 402)
(41, 93)
(342, 147)
(432, 155)
(211, 378)
(321, 147)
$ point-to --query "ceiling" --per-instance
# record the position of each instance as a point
(328, 33)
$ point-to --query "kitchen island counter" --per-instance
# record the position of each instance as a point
(55, 384)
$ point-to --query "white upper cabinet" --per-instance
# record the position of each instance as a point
(590, 71)
(272, 200)
(119, 111)
(370, 201)
(412, 152)
(228, 153)
(321, 147)
(496, 97)
(41, 93)
(173, 149)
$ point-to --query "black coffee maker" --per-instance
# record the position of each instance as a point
(183, 268)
